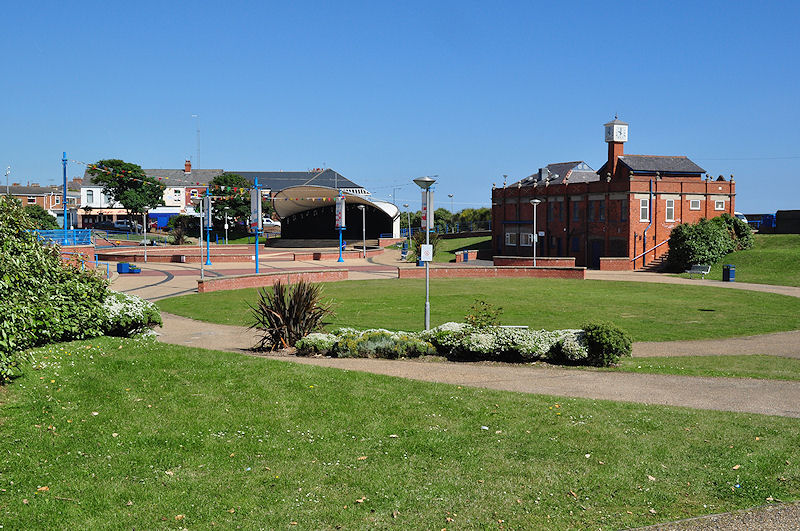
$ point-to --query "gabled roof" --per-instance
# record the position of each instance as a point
(280, 180)
(653, 163)
(169, 177)
(35, 190)
(574, 172)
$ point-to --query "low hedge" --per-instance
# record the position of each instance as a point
(598, 344)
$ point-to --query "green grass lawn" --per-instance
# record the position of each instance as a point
(447, 248)
(649, 312)
(113, 433)
(774, 259)
(763, 367)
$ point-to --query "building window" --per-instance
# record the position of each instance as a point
(719, 205)
(576, 211)
(576, 244)
(670, 210)
(590, 214)
(525, 239)
(601, 210)
(694, 204)
(31, 200)
(57, 199)
(194, 194)
(89, 196)
(623, 210)
(644, 210)
(511, 238)
(550, 209)
(560, 212)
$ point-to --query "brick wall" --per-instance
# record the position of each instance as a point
(615, 264)
(472, 254)
(78, 255)
(268, 279)
(494, 272)
(541, 261)
(386, 242)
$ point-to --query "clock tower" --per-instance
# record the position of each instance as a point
(616, 135)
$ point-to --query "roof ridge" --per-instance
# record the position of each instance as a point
(659, 156)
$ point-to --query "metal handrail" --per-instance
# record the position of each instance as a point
(649, 250)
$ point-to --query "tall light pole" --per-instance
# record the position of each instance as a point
(226, 225)
(535, 203)
(8, 172)
(408, 213)
(425, 183)
(363, 210)
(451, 211)
(64, 199)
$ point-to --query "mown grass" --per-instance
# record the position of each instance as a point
(649, 312)
(756, 366)
(774, 259)
(126, 434)
(448, 247)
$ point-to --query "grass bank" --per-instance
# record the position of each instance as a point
(760, 366)
(774, 259)
(649, 312)
(126, 434)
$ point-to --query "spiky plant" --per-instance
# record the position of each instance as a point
(287, 313)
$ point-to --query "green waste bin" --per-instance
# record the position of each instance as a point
(728, 273)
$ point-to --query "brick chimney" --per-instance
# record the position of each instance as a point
(187, 167)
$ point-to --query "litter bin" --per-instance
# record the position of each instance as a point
(728, 273)
(466, 256)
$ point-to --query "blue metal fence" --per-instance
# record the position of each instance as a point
(66, 237)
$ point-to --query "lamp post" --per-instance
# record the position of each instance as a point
(425, 183)
(535, 203)
(226, 225)
(64, 165)
(199, 202)
(408, 213)
(363, 210)
(208, 227)
(451, 211)
(144, 234)
(8, 172)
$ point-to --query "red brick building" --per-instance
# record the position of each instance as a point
(622, 213)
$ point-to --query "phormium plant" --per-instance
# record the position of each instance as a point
(287, 313)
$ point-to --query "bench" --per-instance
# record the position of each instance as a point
(699, 269)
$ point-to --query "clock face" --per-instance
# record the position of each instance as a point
(620, 133)
(609, 133)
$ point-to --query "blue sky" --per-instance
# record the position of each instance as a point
(385, 92)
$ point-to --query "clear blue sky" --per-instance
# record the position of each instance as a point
(385, 92)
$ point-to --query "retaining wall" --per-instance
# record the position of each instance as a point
(494, 272)
(472, 254)
(78, 255)
(268, 279)
(541, 261)
(616, 264)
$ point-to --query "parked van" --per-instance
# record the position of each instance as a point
(739, 215)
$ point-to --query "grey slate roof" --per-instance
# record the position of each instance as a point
(653, 163)
(34, 190)
(170, 177)
(575, 172)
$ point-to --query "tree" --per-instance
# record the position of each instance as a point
(238, 205)
(126, 183)
(41, 218)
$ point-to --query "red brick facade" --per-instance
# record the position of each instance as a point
(494, 272)
(268, 279)
(609, 216)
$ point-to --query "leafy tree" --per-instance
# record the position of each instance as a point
(126, 183)
(41, 218)
(231, 184)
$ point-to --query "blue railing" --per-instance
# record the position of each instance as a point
(66, 237)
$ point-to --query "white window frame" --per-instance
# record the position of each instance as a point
(670, 210)
(511, 238)
(644, 208)
(694, 204)
(31, 200)
(89, 197)
(526, 239)
(194, 194)
(719, 204)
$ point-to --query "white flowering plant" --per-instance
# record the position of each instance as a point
(127, 315)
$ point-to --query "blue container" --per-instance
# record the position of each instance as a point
(729, 273)
(466, 256)
(123, 267)
(420, 263)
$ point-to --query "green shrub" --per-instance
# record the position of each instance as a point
(316, 343)
(606, 344)
(707, 241)
(379, 343)
(483, 314)
(417, 239)
(127, 315)
(287, 313)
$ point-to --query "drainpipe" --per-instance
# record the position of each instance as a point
(649, 215)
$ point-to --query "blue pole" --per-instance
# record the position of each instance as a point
(64, 196)
(340, 246)
(208, 229)
(258, 221)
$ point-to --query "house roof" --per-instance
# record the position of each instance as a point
(653, 163)
(35, 190)
(169, 177)
(574, 172)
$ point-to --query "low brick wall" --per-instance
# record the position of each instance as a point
(386, 242)
(268, 279)
(349, 254)
(494, 272)
(616, 264)
(162, 258)
(78, 255)
(541, 261)
(472, 254)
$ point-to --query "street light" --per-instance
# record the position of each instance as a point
(8, 172)
(408, 213)
(363, 210)
(451, 211)
(425, 183)
(226, 225)
(535, 203)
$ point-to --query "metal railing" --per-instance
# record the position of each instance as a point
(649, 250)
(65, 237)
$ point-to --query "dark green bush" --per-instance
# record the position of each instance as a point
(483, 315)
(606, 344)
(418, 239)
(42, 300)
(287, 313)
(379, 344)
(707, 241)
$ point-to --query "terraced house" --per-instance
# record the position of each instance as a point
(618, 217)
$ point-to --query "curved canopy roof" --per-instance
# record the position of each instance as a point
(296, 199)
